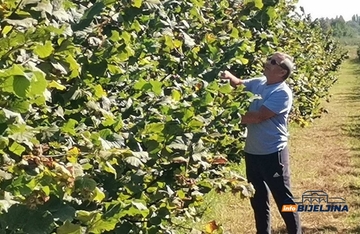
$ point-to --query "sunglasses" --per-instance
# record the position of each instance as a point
(274, 62)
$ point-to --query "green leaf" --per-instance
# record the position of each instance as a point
(118, 124)
(45, 50)
(242, 60)
(140, 84)
(89, 14)
(169, 42)
(234, 33)
(62, 212)
(178, 144)
(126, 37)
(247, 34)
(85, 216)
(56, 85)
(154, 128)
(74, 66)
(99, 91)
(181, 194)
(38, 83)
(259, 4)
(69, 228)
(40, 222)
(109, 121)
(156, 86)
(176, 95)
(115, 69)
(188, 114)
(22, 133)
(109, 2)
(213, 86)
(21, 106)
(4, 141)
(271, 12)
(7, 29)
(69, 127)
(123, 56)
(142, 155)
(225, 89)
(44, 6)
(17, 148)
(195, 124)
(140, 205)
(136, 26)
(26, 23)
(85, 183)
(109, 168)
(103, 225)
(137, 208)
(130, 51)
(34, 222)
(157, 2)
(208, 99)
(153, 146)
(8, 84)
(21, 86)
(60, 66)
(98, 195)
(136, 3)
(16, 70)
(134, 161)
(115, 36)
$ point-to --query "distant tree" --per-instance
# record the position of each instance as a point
(340, 19)
(355, 18)
(341, 28)
(325, 24)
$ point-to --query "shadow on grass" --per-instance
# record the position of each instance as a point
(355, 61)
(354, 117)
(355, 149)
(355, 230)
(352, 130)
(325, 229)
(355, 189)
(306, 230)
(352, 94)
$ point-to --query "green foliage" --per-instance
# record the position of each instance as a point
(348, 32)
(112, 118)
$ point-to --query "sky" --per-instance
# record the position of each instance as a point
(331, 8)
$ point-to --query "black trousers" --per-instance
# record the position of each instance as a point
(271, 172)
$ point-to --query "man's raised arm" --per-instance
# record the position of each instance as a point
(234, 81)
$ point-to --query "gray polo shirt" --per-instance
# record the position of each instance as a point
(270, 135)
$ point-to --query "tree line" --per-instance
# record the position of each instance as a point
(340, 28)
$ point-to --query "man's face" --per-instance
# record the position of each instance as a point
(272, 67)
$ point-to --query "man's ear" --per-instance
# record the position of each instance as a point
(283, 72)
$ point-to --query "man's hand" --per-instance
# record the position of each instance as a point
(234, 81)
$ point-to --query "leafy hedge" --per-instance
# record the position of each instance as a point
(112, 116)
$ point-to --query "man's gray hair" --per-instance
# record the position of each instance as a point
(286, 63)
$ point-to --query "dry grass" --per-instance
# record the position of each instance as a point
(324, 156)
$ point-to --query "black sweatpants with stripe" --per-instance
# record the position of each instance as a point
(271, 172)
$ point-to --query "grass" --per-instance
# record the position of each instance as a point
(323, 156)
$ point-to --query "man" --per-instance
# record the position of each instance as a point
(266, 150)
